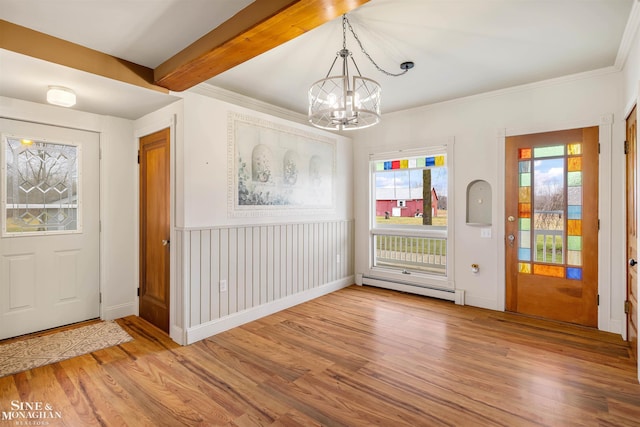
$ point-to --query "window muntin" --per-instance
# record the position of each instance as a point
(41, 183)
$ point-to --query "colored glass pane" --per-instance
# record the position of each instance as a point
(404, 164)
(524, 210)
(524, 267)
(574, 212)
(548, 270)
(420, 162)
(574, 257)
(574, 149)
(574, 195)
(574, 273)
(524, 194)
(380, 166)
(574, 179)
(574, 243)
(525, 239)
(387, 166)
(574, 227)
(439, 160)
(395, 164)
(525, 224)
(412, 163)
(525, 180)
(574, 164)
(524, 166)
(524, 254)
(551, 151)
(430, 161)
(524, 153)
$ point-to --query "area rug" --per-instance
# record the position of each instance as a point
(39, 351)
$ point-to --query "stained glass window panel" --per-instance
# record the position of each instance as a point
(574, 227)
(404, 164)
(524, 195)
(574, 164)
(574, 195)
(551, 151)
(574, 243)
(574, 149)
(574, 257)
(524, 267)
(574, 273)
(525, 180)
(548, 270)
(574, 212)
(524, 254)
(524, 210)
(525, 224)
(395, 164)
(524, 167)
(524, 153)
(380, 166)
(574, 179)
(525, 239)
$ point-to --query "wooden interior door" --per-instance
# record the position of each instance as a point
(631, 305)
(155, 228)
(552, 225)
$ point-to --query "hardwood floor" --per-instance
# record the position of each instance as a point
(358, 357)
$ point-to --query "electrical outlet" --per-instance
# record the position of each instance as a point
(223, 286)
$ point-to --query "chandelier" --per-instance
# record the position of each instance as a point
(347, 101)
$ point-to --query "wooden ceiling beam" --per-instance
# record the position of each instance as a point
(32, 43)
(259, 27)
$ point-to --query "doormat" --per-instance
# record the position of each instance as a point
(39, 351)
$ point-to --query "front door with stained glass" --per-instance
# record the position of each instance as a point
(552, 225)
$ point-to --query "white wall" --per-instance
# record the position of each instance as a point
(269, 262)
(478, 125)
(118, 275)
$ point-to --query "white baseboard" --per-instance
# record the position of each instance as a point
(213, 327)
(118, 311)
(481, 302)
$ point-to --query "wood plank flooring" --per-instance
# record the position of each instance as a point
(358, 357)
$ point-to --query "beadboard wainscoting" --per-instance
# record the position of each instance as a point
(235, 274)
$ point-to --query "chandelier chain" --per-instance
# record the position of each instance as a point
(345, 23)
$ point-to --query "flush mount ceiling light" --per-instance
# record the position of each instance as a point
(347, 101)
(62, 96)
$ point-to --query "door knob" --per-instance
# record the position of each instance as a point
(632, 262)
(165, 242)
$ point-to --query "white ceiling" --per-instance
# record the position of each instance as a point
(460, 47)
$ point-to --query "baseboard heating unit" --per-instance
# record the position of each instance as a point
(454, 295)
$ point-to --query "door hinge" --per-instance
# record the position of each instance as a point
(598, 224)
(626, 307)
(100, 153)
(598, 299)
(100, 297)
(626, 147)
(100, 226)
(138, 156)
(138, 291)
(598, 148)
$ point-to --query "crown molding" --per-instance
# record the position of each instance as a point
(630, 31)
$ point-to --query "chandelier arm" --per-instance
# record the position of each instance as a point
(346, 21)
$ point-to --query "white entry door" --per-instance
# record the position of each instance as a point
(50, 237)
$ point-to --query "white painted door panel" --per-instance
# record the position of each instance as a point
(50, 280)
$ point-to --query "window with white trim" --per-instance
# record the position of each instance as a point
(409, 214)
